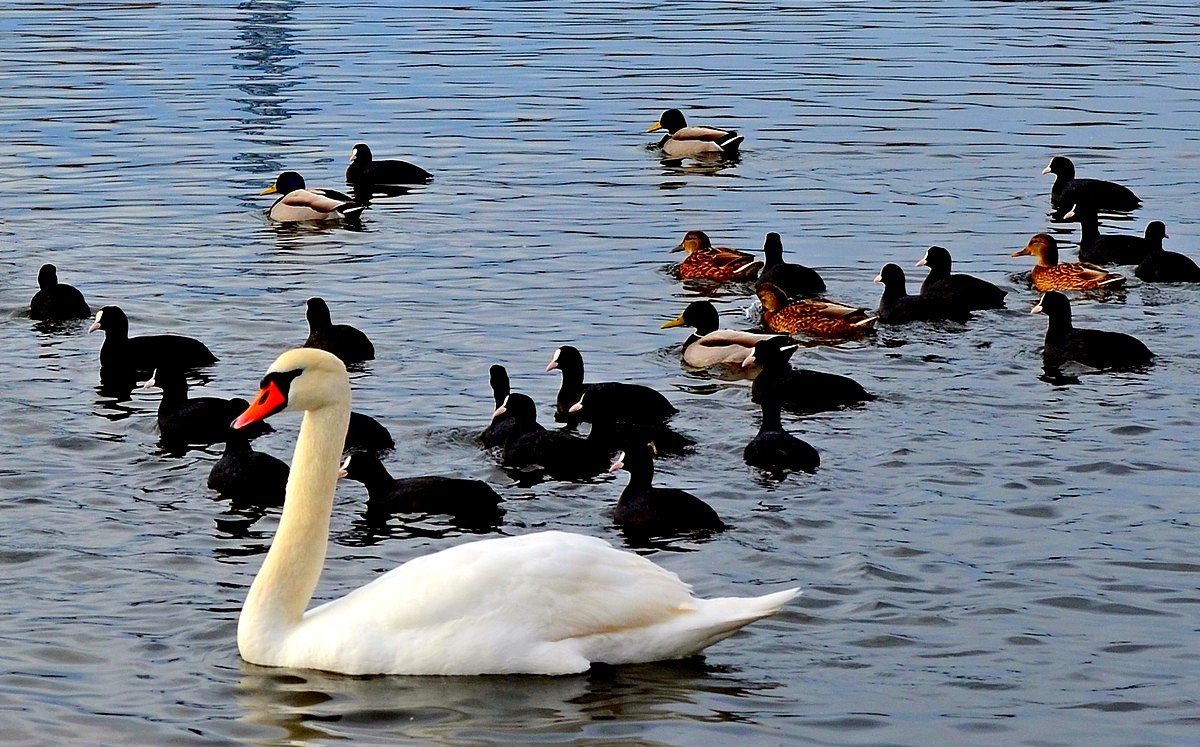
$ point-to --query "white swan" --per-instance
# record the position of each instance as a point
(545, 603)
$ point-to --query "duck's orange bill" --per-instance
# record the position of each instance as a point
(268, 402)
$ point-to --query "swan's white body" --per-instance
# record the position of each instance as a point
(545, 603)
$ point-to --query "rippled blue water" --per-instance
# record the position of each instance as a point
(987, 557)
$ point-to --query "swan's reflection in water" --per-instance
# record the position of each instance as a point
(307, 705)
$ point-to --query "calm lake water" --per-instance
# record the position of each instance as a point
(987, 557)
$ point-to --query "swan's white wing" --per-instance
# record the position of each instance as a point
(516, 604)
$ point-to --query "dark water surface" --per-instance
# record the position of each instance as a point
(987, 557)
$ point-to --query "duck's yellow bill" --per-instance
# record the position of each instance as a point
(676, 322)
(657, 126)
(268, 191)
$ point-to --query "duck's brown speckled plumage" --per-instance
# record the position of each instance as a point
(812, 317)
(714, 263)
(1051, 275)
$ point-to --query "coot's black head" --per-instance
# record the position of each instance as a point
(671, 120)
(771, 297)
(566, 359)
(288, 181)
(1060, 166)
(773, 249)
(774, 351)
(636, 459)
(1081, 212)
(936, 258)
(1054, 305)
(519, 407)
(693, 241)
(1156, 231)
(892, 277)
(359, 466)
(498, 378)
(700, 315)
(170, 379)
(47, 277)
(318, 314)
(360, 154)
(1043, 246)
(110, 319)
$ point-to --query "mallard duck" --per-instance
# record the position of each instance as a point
(1116, 249)
(55, 300)
(964, 290)
(710, 346)
(1068, 190)
(1049, 275)
(1161, 266)
(300, 204)
(645, 509)
(812, 317)
(1091, 347)
(365, 171)
(897, 307)
(717, 263)
(682, 141)
(793, 279)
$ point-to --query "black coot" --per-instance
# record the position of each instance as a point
(344, 341)
(57, 301)
(1091, 347)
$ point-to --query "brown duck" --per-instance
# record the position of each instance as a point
(810, 316)
(1049, 275)
(714, 263)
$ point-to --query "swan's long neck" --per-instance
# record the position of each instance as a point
(284, 585)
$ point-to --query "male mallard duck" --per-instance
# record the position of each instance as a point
(811, 316)
(710, 346)
(364, 171)
(1116, 249)
(793, 279)
(300, 204)
(682, 141)
(717, 263)
(1049, 275)
(1161, 266)
(964, 290)
(897, 307)
(1091, 347)
(1068, 190)
(55, 300)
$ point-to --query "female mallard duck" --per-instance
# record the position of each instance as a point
(967, 291)
(710, 346)
(793, 279)
(1091, 347)
(1161, 266)
(365, 171)
(539, 603)
(812, 317)
(682, 141)
(716, 263)
(1068, 190)
(300, 204)
(1049, 275)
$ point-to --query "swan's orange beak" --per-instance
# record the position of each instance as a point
(269, 401)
